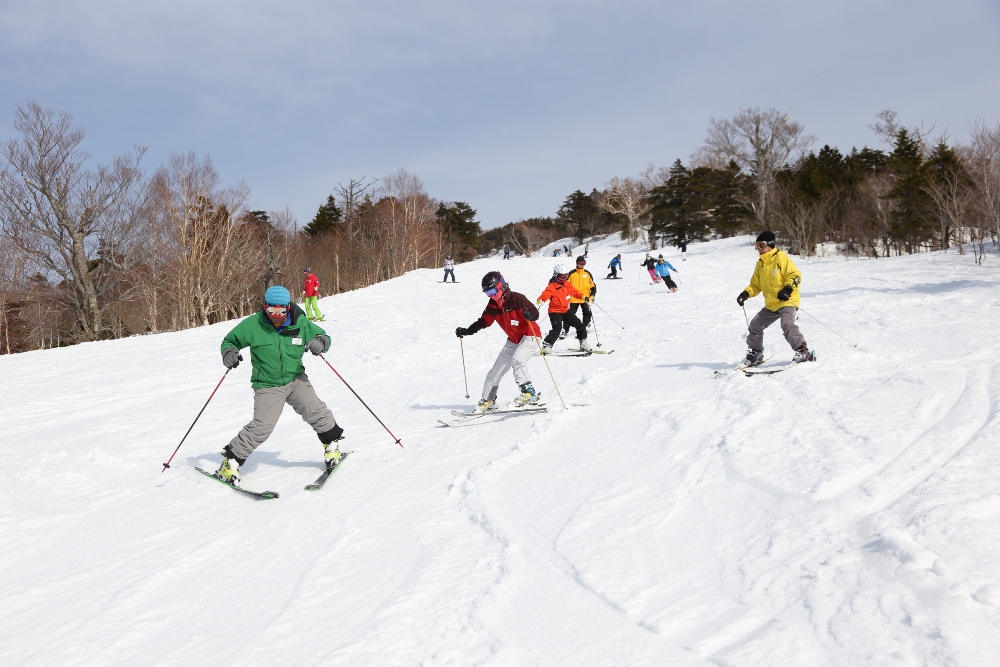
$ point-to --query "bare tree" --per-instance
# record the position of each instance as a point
(761, 142)
(75, 223)
(351, 196)
(629, 198)
(888, 126)
(983, 160)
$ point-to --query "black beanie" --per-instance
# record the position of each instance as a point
(766, 237)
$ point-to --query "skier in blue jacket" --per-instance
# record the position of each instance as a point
(615, 266)
(663, 269)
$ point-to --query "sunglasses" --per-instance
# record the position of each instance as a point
(276, 310)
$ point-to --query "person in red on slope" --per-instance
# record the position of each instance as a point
(310, 290)
(516, 316)
(558, 293)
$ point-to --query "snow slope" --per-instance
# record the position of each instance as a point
(846, 512)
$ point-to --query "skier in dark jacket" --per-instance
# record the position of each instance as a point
(278, 335)
(650, 265)
(516, 316)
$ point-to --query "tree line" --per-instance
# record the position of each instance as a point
(90, 253)
(755, 171)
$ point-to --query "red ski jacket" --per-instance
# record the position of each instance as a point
(511, 318)
(311, 286)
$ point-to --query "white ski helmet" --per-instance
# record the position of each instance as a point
(561, 269)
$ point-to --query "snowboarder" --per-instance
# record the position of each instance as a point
(310, 290)
(516, 316)
(663, 269)
(449, 267)
(278, 335)
(650, 265)
(581, 279)
(615, 265)
(558, 293)
(778, 279)
(506, 252)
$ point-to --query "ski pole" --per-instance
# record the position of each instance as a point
(359, 398)
(745, 315)
(814, 317)
(612, 319)
(596, 335)
(464, 375)
(167, 464)
(542, 353)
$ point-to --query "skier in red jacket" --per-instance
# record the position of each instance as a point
(310, 290)
(516, 316)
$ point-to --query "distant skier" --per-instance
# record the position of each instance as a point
(615, 265)
(506, 252)
(663, 269)
(566, 250)
(558, 293)
(778, 279)
(650, 265)
(684, 250)
(449, 268)
(516, 316)
(310, 290)
(278, 335)
(581, 279)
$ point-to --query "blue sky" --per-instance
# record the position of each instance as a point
(509, 106)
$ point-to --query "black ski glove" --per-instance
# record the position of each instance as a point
(530, 316)
(462, 331)
(319, 344)
(785, 294)
(231, 357)
(744, 295)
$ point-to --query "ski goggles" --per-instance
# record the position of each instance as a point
(493, 291)
(276, 310)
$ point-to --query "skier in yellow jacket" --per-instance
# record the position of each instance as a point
(583, 281)
(778, 279)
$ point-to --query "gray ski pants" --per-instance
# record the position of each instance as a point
(267, 405)
(765, 318)
(513, 355)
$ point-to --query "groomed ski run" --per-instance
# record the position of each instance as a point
(846, 512)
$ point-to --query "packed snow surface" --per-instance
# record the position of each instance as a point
(844, 512)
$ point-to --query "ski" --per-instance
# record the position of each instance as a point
(568, 353)
(259, 495)
(601, 351)
(321, 480)
(465, 417)
(742, 367)
(749, 372)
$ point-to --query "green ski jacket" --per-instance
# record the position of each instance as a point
(276, 358)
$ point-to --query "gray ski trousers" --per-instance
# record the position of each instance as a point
(512, 355)
(765, 318)
(267, 405)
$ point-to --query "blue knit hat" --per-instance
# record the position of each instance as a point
(276, 295)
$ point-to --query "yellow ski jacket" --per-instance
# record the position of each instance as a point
(775, 270)
(584, 283)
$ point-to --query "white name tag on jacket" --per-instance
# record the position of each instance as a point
(296, 341)
(514, 322)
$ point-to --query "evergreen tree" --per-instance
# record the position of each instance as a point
(326, 219)
(459, 224)
(580, 215)
(696, 202)
(910, 217)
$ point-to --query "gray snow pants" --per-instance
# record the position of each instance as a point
(267, 405)
(512, 355)
(765, 318)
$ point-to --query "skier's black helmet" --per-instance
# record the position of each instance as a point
(493, 279)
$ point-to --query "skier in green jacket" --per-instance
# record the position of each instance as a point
(277, 336)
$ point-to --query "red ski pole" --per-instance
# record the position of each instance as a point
(167, 464)
(362, 402)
